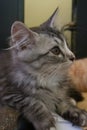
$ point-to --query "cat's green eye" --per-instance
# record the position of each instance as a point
(55, 50)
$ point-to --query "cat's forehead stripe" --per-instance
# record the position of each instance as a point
(50, 31)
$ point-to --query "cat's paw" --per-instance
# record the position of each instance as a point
(46, 124)
(76, 116)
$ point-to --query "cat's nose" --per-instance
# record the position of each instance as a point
(72, 57)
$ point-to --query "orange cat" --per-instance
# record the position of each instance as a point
(78, 74)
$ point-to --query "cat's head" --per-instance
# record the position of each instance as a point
(42, 50)
(37, 43)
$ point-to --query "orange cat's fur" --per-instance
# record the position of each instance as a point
(78, 74)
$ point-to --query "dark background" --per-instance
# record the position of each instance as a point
(79, 38)
(10, 11)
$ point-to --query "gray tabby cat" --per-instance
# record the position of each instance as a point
(33, 76)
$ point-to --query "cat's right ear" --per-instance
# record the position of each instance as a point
(19, 33)
(51, 20)
(54, 21)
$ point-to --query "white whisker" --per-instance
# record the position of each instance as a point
(23, 41)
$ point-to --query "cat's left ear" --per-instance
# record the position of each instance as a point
(51, 21)
(20, 34)
(19, 31)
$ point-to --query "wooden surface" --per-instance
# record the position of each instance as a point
(7, 119)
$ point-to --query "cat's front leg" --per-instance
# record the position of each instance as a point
(37, 113)
(24, 124)
(32, 108)
(72, 113)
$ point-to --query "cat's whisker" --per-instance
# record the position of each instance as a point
(24, 41)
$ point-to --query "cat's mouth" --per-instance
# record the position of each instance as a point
(71, 57)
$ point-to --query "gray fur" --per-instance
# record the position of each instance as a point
(34, 80)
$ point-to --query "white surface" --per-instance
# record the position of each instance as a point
(62, 124)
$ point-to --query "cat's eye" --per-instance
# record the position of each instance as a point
(55, 50)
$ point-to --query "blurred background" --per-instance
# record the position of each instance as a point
(35, 12)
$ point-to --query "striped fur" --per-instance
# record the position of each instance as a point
(33, 76)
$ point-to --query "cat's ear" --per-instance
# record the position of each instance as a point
(51, 21)
(19, 33)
